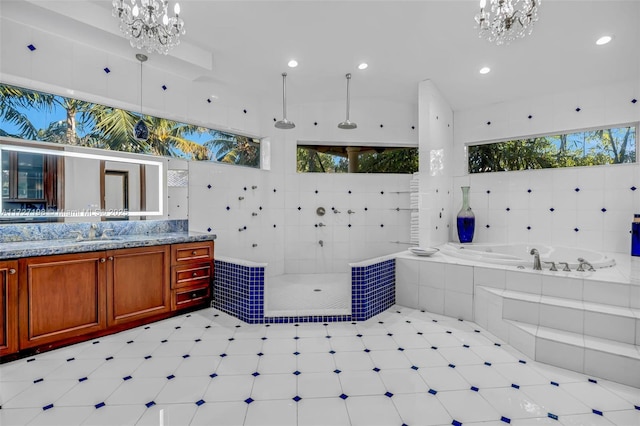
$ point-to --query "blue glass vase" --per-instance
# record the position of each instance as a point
(466, 220)
(635, 235)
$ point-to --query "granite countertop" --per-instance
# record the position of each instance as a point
(16, 250)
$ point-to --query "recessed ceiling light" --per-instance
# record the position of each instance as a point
(603, 40)
(293, 63)
(485, 70)
(363, 66)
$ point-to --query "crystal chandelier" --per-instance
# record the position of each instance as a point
(147, 25)
(507, 20)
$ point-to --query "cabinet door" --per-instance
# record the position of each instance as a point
(9, 303)
(61, 297)
(138, 284)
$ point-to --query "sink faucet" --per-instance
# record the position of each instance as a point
(582, 265)
(92, 231)
(79, 236)
(536, 259)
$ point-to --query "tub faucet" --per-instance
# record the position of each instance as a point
(566, 266)
(582, 265)
(536, 259)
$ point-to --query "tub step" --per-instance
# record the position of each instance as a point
(612, 323)
(599, 357)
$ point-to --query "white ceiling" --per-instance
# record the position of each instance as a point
(245, 45)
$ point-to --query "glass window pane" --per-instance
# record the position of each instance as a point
(37, 116)
(586, 148)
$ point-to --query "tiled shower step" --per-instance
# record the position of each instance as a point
(603, 358)
(608, 322)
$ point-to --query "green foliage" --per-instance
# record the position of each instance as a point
(101, 126)
(400, 160)
(589, 148)
(233, 149)
(310, 160)
(403, 160)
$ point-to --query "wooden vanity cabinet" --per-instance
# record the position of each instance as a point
(9, 303)
(61, 297)
(191, 274)
(137, 283)
(48, 301)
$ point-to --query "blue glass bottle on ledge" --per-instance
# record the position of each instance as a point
(466, 220)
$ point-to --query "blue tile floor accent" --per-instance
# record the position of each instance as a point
(327, 374)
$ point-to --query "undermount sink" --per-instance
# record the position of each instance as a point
(99, 240)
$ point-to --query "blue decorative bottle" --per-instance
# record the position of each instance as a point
(466, 220)
(635, 235)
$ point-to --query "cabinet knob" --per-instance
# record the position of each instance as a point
(195, 274)
(110, 258)
(194, 252)
(102, 260)
(12, 271)
(194, 295)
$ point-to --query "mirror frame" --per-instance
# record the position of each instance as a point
(89, 212)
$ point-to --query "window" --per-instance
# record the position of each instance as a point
(32, 115)
(356, 159)
(615, 145)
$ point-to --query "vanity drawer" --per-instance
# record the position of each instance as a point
(191, 252)
(190, 275)
(190, 296)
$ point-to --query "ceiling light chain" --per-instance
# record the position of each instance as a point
(140, 129)
(148, 26)
(506, 20)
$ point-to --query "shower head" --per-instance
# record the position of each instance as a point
(347, 124)
(284, 123)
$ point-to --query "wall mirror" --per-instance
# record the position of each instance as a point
(67, 184)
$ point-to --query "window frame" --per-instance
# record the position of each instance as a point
(634, 124)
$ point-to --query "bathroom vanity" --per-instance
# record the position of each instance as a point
(97, 287)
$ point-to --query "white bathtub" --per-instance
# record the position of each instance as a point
(520, 254)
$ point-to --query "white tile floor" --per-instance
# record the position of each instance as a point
(400, 367)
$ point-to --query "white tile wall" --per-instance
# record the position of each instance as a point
(607, 187)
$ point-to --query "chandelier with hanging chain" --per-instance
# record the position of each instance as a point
(506, 20)
(147, 24)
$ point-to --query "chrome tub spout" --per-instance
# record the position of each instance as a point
(536, 259)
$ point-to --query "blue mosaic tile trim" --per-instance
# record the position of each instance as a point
(309, 318)
(239, 291)
(372, 289)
